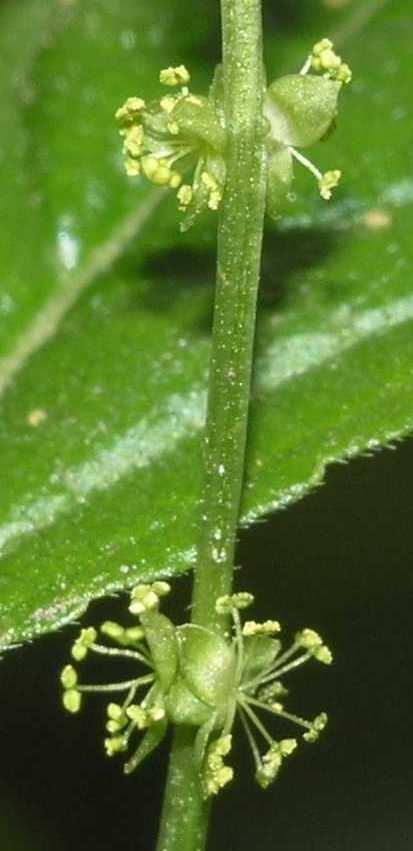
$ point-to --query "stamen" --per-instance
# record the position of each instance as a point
(110, 687)
(126, 654)
(255, 720)
(278, 709)
(278, 672)
(307, 65)
(267, 673)
(306, 163)
(250, 737)
(239, 643)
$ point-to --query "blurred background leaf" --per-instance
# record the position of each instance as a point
(107, 308)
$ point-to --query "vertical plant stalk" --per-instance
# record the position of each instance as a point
(185, 814)
(238, 267)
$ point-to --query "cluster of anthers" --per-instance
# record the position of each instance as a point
(198, 678)
(181, 133)
(168, 137)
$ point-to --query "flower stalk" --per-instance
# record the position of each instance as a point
(240, 233)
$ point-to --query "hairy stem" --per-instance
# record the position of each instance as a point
(185, 815)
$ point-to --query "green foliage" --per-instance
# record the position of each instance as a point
(105, 308)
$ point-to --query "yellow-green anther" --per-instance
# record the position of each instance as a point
(156, 170)
(265, 628)
(112, 629)
(241, 600)
(79, 651)
(114, 711)
(268, 770)
(139, 716)
(308, 639)
(215, 194)
(114, 727)
(324, 58)
(184, 195)
(168, 102)
(88, 636)
(129, 111)
(116, 744)
(217, 774)
(287, 746)
(317, 725)
(134, 633)
(272, 761)
(117, 718)
(175, 180)
(162, 589)
(68, 677)
(72, 700)
(344, 74)
(132, 167)
(156, 713)
(323, 654)
(145, 597)
(327, 60)
(329, 181)
(174, 76)
(133, 144)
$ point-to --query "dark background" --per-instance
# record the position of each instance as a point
(340, 561)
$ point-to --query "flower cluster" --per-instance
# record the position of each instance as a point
(184, 133)
(178, 133)
(199, 678)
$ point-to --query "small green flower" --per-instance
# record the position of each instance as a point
(198, 678)
(184, 134)
(173, 136)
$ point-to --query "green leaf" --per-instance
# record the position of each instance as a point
(106, 361)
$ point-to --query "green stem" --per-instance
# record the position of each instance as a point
(185, 814)
(239, 255)
(184, 824)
